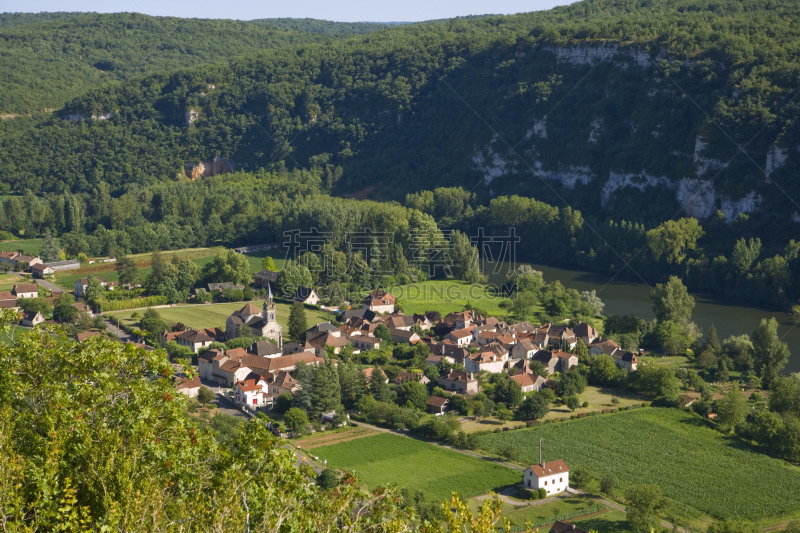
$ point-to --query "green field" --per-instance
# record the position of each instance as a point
(214, 315)
(412, 464)
(7, 281)
(28, 246)
(606, 521)
(701, 470)
(447, 296)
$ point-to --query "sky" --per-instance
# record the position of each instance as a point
(339, 10)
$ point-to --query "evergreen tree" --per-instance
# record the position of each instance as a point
(378, 387)
(297, 322)
(50, 251)
(327, 393)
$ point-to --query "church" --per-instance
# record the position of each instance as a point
(263, 323)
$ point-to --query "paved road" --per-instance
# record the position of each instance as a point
(49, 285)
(121, 334)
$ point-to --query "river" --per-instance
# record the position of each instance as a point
(623, 297)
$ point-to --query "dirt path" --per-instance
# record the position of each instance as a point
(345, 438)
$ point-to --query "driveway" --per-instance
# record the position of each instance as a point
(49, 285)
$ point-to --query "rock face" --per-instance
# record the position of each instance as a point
(594, 54)
(77, 117)
(206, 169)
(191, 116)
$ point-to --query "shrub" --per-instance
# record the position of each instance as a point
(542, 493)
(585, 404)
(614, 400)
(532, 423)
(606, 411)
(581, 415)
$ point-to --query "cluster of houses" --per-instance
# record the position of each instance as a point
(10, 300)
(260, 373)
(35, 265)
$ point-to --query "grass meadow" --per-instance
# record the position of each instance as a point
(214, 315)
(28, 246)
(702, 471)
(446, 296)
(416, 465)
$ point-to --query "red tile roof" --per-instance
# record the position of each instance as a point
(550, 468)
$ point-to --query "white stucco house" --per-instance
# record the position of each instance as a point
(552, 476)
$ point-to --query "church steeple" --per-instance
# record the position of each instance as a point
(269, 306)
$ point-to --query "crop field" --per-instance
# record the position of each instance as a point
(214, 315)
(701, 470)
(412, 464)
(447, 296)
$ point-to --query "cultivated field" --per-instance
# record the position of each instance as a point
(337, 436)
(214, 315)
(412, 464)
(702, 471)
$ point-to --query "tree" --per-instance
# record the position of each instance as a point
(785, 398)
(268, 264)
(297, 322)
(672, 301)
(645, 504)
(533, 407)
(607, 485)
(63, 310)
(326, 395)
(739, 349)
(523, 303)
(732, 409)
(127, 272)
(49, 252)
(293, 275)
(674, 239)
(39, 304)
(573, 402)
(745, 253)
(296, 421)
(770, 354)
(283, 403)
(206, 395)
(603, 370)
(378, 387)
(382, 332)
(227, 265)
(95, 292)
(327, 479)
(465, 258)
(593, 301)
(414, 393)
(571, 383)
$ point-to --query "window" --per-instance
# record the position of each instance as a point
(545, 483)
(560, 479)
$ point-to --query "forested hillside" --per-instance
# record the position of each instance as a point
(599, 104)
(49, 58)
(588, 126)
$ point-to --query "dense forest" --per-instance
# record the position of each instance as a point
(50, 58)
(643, 137)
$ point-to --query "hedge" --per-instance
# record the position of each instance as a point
(131, 303)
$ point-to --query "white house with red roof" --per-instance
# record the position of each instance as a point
(379, 301)
(253, 391)
(552, 476)
(461, 337)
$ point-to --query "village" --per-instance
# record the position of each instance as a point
(334, 382)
